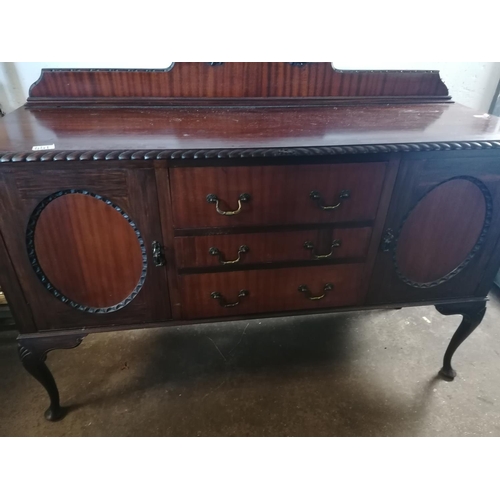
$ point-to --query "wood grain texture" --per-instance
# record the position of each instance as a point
(428, 174)
(132, 189)
(233, 80)
(441, 231)
(417, 177)
(193, 251)
(270, 290)
(147, 133)
(206, 231)
(278, 194)
(88, 250)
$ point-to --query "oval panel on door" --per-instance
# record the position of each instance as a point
(86, 251)
(443, 232)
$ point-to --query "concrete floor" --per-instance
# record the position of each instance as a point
(370, 373)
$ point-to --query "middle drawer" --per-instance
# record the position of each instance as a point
(228, 250)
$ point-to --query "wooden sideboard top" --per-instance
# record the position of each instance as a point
(235, 109)
(158, 132)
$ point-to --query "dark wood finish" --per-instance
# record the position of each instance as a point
(193, 251)
(11, 286)
(138, 134)
(132, 189)
(378, 226)
(206, 83)
(417, 177)
(167, 226)
(270, 290)
(33, 353)
(204, 231)
(88, 250)
(275, 314)
(278, 194)
(472, 314)
(418, 186)
(428, 246)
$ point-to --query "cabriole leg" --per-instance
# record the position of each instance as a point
(472, 313)
(33, 353)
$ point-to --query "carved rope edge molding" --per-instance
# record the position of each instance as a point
(158, 154)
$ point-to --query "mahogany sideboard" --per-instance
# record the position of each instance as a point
(210, 191)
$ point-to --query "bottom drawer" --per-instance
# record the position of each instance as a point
(251, 292)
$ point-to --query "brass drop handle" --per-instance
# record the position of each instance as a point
(158, 257)
(215, 251)
(309, 246)
(243, 198)
(307, 292)
(222, 301)
(344, 195)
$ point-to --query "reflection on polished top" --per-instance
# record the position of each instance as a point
(236, 106)
(174, 128)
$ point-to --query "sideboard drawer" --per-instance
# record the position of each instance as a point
(273, 195)
(229, 250)
(252, 292)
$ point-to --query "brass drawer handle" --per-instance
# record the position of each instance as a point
(222, 301)
(314, 195)
(306, 291)
(243, 198)
(215, 251)
(309, 246)
(158, 257)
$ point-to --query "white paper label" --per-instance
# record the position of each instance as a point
(41, 148)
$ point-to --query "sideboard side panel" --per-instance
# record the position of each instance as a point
(15, 297)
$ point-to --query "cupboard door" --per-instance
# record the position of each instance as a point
(441, 229)
(80, 238)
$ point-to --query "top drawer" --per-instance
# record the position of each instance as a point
(273, 195)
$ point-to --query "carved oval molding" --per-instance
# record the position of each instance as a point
(86, 251)
(428, 251)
